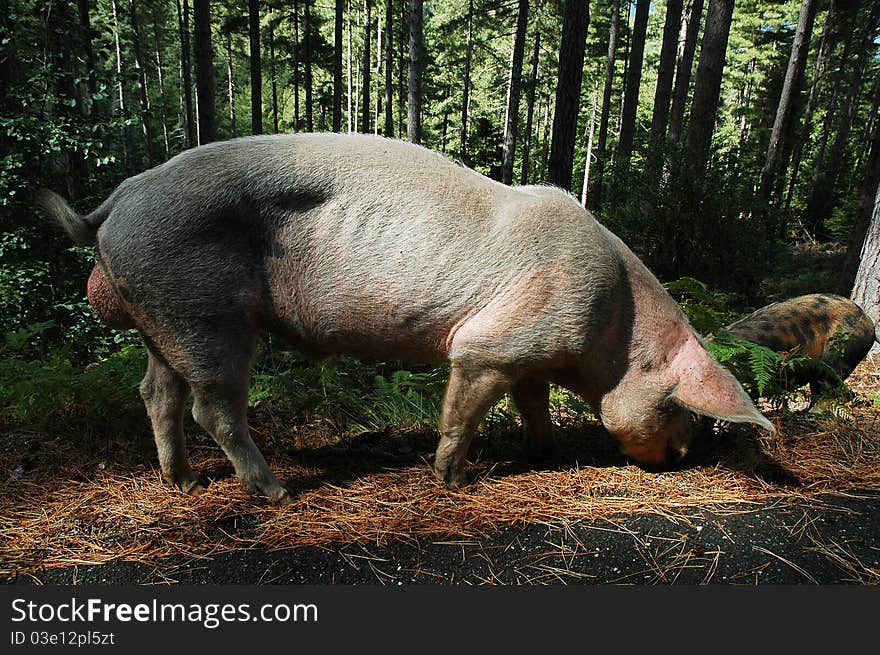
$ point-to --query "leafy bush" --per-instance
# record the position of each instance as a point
(37, 392)
(350, 393)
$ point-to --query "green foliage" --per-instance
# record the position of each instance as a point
(707, 309)
(351, 394)
(39, 392)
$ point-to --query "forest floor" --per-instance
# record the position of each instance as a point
(798, 507)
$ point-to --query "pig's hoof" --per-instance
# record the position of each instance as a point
(193, 484)
(276, 493)
(451, 477)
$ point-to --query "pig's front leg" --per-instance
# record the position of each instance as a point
(469, 395)
(532, 399)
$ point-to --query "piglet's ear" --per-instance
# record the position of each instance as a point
(705, 387)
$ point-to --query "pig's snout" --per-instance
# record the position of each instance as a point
(657, 455)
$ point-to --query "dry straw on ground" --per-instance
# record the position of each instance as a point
(72, 508)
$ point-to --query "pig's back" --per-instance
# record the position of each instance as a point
(351, 243)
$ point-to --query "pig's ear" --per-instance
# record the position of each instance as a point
(705, 387)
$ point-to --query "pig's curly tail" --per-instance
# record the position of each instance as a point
(82, 229)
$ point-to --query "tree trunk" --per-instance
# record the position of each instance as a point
(256, 67)
(379, 73)
(530, 110)
(589, 156)
(307, 32)
(161, 78)
(568, 91)
(402, 66)
(120, 89)
(416, 71)
(367, 63)
(348, 68)
(545, 145)
(466, 92)
(665, 72)
(143, 90)
(790, 89)
(862, 222)
(512, 123)
(818, 74)
(186, 68)
(596, 198)
(297, 124)
(633, 82)
(707, 86)
(230, 85)
(204, 53)
(866, 290)
(691, 28)
(389, 79)
(864, 143)
(337, 65)
(85, 24)
(444, 125)
(273, 76)
(627, 33)
(823, 199)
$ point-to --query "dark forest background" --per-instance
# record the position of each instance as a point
(731, 142)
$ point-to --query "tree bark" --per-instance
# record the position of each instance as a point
(684, 66)
(822, 199)
(512, 124)
(186, 69)
(348, 68)
(790, 89)
(416, 71)
(596, 197)
(665, 72)
(85, 24)
(204, 53)
(466, 91)
(297, 123)
(818, 74)
(568, 91)
(862, 223)
(161, 78)
(273, 77)
(230, 85)
(120, 89)
(337, 65)
(143, 89)
(530, 110)
(389, 78)
(707, 86)
(633, 83)
(367, 67)
(256, 67)
(866, 289)
(588, 159)
(307, 32)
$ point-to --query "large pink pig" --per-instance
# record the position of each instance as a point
(364, 245)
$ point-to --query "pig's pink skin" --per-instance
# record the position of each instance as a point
(368, 246)
(105, 302)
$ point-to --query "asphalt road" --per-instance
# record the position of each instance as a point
(832, 541)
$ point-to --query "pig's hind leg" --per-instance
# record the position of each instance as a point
(220, 396)
(469, 395)
(532, 399)
(165, 394)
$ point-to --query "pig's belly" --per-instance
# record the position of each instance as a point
(365, 328)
